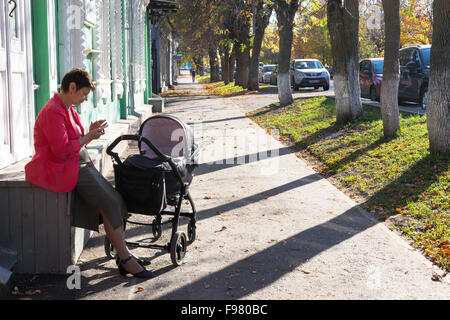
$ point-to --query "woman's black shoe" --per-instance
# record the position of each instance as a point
(143, 263)
(143, 274)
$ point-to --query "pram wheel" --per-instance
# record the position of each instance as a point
(157, 228)
(191, 233)
(178, 245)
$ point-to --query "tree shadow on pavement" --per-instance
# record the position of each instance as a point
(269, 265)
(205, 168)
(242, 202)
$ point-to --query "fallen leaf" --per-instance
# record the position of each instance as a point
(140, 289)
(306, 272)
(223, 228)
(436, 277)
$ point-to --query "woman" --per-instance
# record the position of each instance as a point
(61, 164)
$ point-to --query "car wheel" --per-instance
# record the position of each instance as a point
(326, 88)
(424, 98)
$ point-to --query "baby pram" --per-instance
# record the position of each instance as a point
(158, 178)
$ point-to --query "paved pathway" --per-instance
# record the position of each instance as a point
(269, 227)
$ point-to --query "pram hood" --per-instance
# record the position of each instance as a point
(172, 137)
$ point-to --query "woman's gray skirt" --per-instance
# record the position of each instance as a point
(92, 194)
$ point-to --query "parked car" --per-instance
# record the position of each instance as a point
(264, 75)
(370, 78)
(309, 73)
(414, 74)
(274, 76)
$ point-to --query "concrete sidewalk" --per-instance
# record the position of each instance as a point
(268, 227)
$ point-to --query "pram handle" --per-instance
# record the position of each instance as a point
(135, 137)
(140, 138)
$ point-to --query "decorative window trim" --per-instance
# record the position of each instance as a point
(72, 43)
(90, 9)
(117, 69)
(102, 50)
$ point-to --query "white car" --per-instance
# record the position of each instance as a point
(266, 71)
(309, 73)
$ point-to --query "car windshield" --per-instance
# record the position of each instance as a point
(268, 68)
(426, 56)
(378, 66)
(308, 65)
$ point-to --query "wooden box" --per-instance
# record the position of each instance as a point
(36, 223)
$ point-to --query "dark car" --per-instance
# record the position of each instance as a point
(414, 74)
(370, 78)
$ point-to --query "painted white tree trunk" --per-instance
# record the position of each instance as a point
(391, 72)
(284, 88)
(389, 106)
(348, 92)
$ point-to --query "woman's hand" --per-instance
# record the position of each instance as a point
(96, 130)
(98, 124)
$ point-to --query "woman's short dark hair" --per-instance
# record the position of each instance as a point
(81, 78)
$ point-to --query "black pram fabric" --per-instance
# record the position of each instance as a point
(141, 182)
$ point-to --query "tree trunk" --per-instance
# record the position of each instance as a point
(391, 70)
(261, 19)
(225, 57)
(214, 71)
(285, 16)
(231, 64)
(239, 64)
(438, 114)
(343, 24)
(242, 64)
